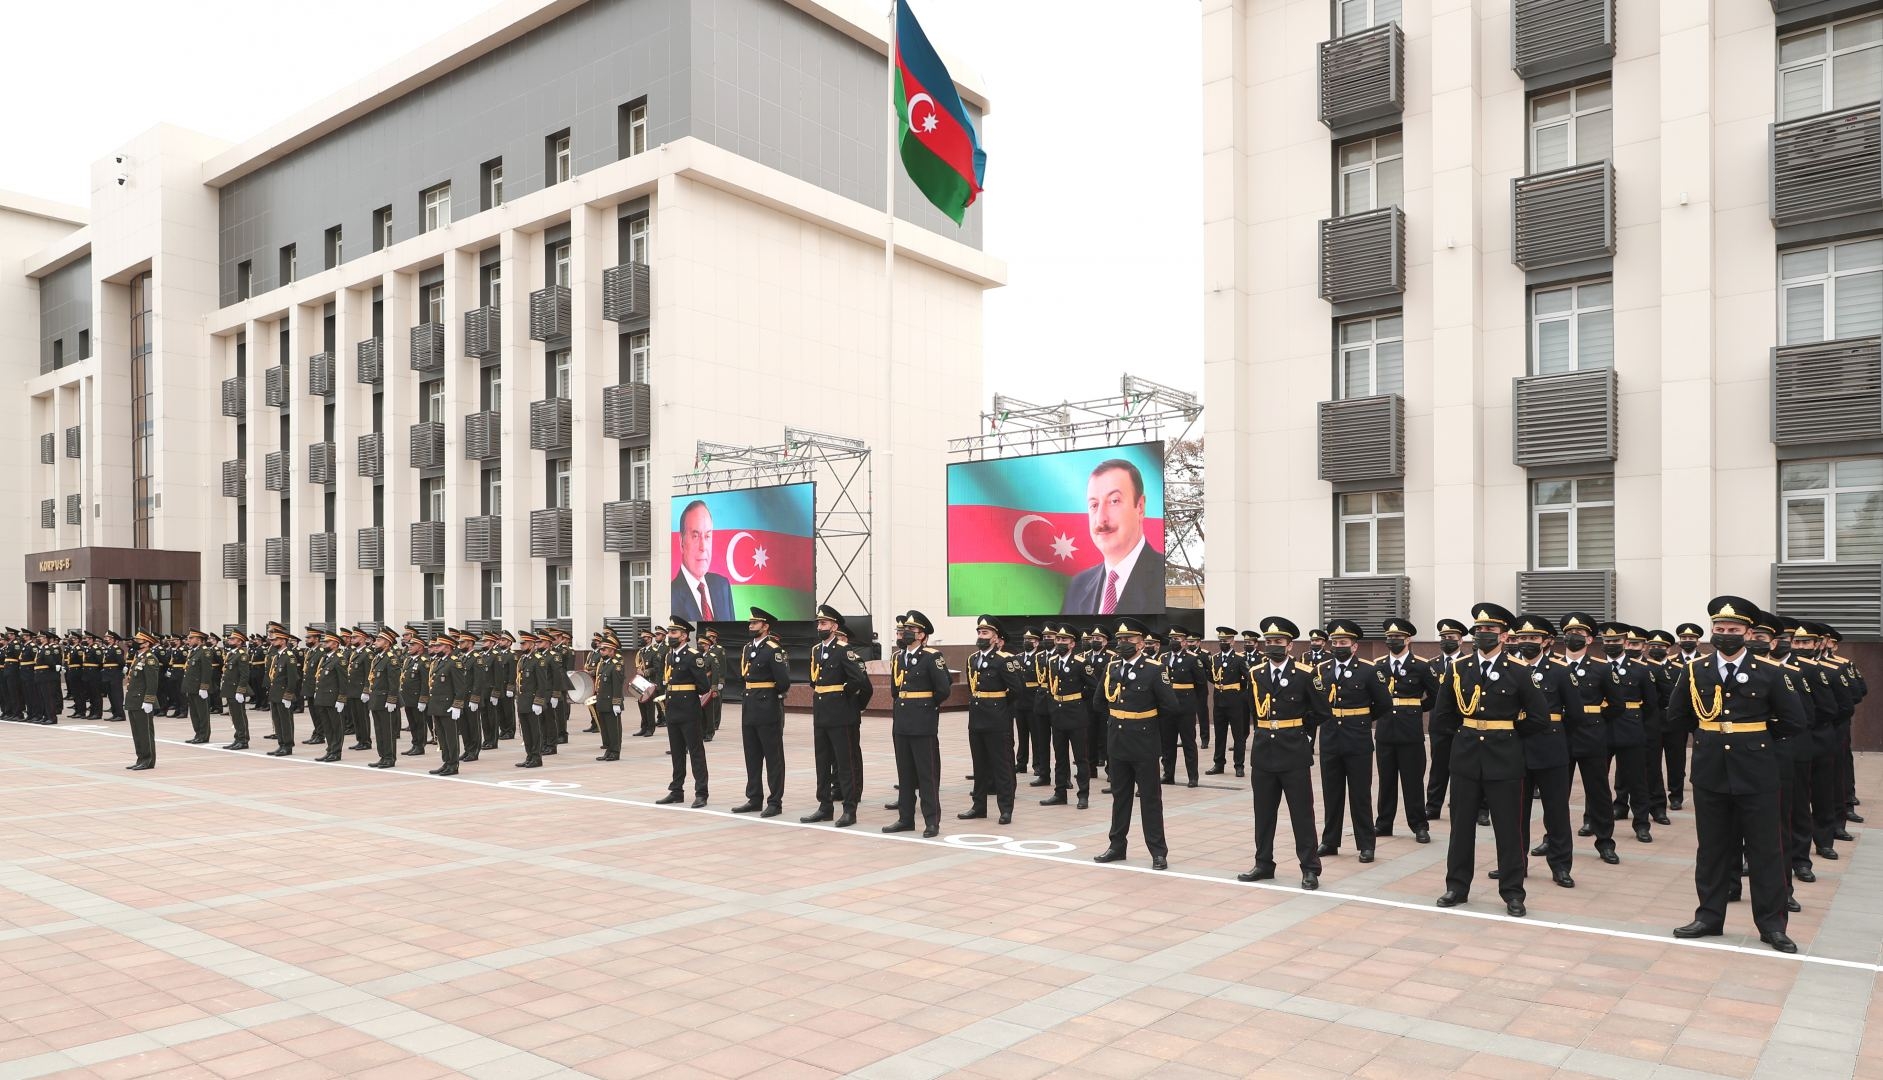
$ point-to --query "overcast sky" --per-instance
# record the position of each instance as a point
(1094, 170)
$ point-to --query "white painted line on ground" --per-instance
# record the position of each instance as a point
(1003, 846)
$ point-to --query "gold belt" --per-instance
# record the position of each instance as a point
(1120, 714)
(828, 689)
(1556, 718)
(1183, 686)
(1631, 704)
(761, 686)
(1068, 698)
(1490, 725)
(1728, 727)
(681, 686)
(1353, 712)
(1408, 703)
(1592, 710)
(1032, 686)
(909, 695)
(990, 693)
(1276, 724)
(1228, 686)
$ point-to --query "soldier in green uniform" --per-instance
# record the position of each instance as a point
(284, 685)
(610, 679)
(143, 686)
(647, 665)
(198, 675)
(382, 696)
(1136, 691)
(919, 683)
(684, 684)
(558, 656)
(414, 671)
(503, 691)
(234, 687)
(532, 699)
(446, 683)
(477, 671)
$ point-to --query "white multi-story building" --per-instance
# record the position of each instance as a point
(1562, 303)
(437, 348)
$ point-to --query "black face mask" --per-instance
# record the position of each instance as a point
(906, 639)
(1575, 642)
(1528, 650)
(1729, 643)
(1780, 649)
(673, 643)
(984, 644)
(1343, 653)
(1448, 646)
(1063, 649)
(1486, 641)
(1657, 654)
(1277, 653)
(1614, 651)
(1758, 648)
(1396, 645)
(1225, 646)
(1128, 649)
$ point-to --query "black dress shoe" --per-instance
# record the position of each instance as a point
(1169, 780)
(1256, 873)
(1056, 800)
(416, 751)
(492, 745)
(848, 819)
(1586, 830)
(315, 741)
(468, 757)
(669, 799)
(1779, 941)
(328, 757)
(1432, 813)
(1608, 856)
(196, 742)
(900, 826)
(1674, 802)
(1844, 835)
(1040, 781)
(1192, 782)
(562, 736)
(1104, 791)
(1733, 896)
(1238, 770)
(1644, 836)
(1326, 850)
(1696, 929)
(1827, 852)
(892, 806)
(1561, 877)
(771, 811)
(590, 730)
(1858, 818)
(1108, 855)
(1310, 881)
(969, 815)
(1159, 862)
(822, 813)
(1379, 832)
(1515, 909)
(283, 752)
(1484, 818)
(749, 806)
(1423, 836)
(549, 750)
(930, 832)
(382, 763)
(1804, 874)
(1366, 856)
(1663, 819)
(1792, 905)
(1006, 817)
(699, 802)
(534, 761)
(1539, 851)
(1450, 899)
(1083, 803)
(445, 770)
(612, 755)
(1495, 874)
(1213, 770)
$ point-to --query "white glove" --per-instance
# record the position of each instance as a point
(537, 709)
(149, 708)
(617, 710)
(553, 702)
(366, 697)
(509, 693)
(392, 706)
(240, 699)
(454, 714)
(61, 668)
(473, 706)
(204, 694)
(288, 702)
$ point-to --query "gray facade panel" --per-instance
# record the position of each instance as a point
(757, 77)
(65, 308)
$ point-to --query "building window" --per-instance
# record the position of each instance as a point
(561, 594)
(1831, 292)
(493, 183)
(244, 279)
(637, 355)
(637, 240)
(493, 285)
(435, 208)
(559, 373)
(1572, 523)
(58, 353)
(382, 228)
(1832, 67)
(493, 594)
(1372, 533)
(434, 596)
(1833, 510)
(637, 473)
(1572, 328)
(431, 495)
(1371, 173)
(432, 301)
(432, 409)
(143, 412)
(1372, 356)
(490, 394)
(1358, 15)
(559, 165)
(290, 265)
(559, 490)
(84, 344)
(559, 264)
(1571, 127)
(640, 587)
(333, 247)
(493, 492)
(632, 129)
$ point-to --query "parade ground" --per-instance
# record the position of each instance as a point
(230, 914)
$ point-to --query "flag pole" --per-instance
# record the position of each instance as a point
(881, 528)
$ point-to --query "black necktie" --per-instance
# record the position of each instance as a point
(1486, 665)
(1730, 669)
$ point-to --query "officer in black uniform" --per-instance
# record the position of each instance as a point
(1674, 741)
(1587, 720)
(996, 679)
(1028, 751)
(1357, 696)
(1546, 753)
(1846, 761)
(1733, 703)
(1098, 657)
(1818, 700)
(919, 683)
(1288, 703)
(1228, 674)
(766, 672)
(1654, 655)
(1451, 635)
(1136, 690)
(1629, 732)
(111, 673)
(1068, 677)
(684, 682)
(1178, 727)
(840, 689)
(1400, 731)
(1490, 704)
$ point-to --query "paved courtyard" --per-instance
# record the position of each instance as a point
(231, 914)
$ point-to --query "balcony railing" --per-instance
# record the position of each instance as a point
(483, 539)
(625, 293)
(275, 386)
(1565, 419)
(1555, 35)
(549, 313)
(370, 549)
(48, 513)
(483, 435)
(428, 543)
(235, 397)
(1368, 600)
(483, 332)
(1363, 255)
(235, 561)
(1591, 591)
(276, 552)
(1363, 76)
(48, 448)
(1363, 438)
(1563, 216)
(74, 509)
(322, 553)
(627, 411)
(550, 424)
(1828, 166)
(1848, 595)
(627, 526)
(369, 362)
(550, 533)
(234, 478)
(372, 454)
(275, 470)
(1827, 391)
(428, 445)
(320, 369)
(428, 347)
(321, 460)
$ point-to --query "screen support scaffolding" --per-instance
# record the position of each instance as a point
(841, 518)
(1141, 411)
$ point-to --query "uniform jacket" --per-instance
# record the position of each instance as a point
(447, 684)
(766, 672)
(1354, 700)
(1510, 694)
(1587, 720)
(919, 684)
(1762, 695)
(1136, 692)
(1284, 712)
(145, 675)
(684, 676)
(1549, 748)
(840, 688)
(1409, 693)
(1069, 680)
(996, 681)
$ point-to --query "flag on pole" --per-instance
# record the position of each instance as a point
(939, 146)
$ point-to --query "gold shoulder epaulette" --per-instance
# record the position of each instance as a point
(1302, 666)
(1422, 659)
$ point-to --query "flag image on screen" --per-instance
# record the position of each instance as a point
(736, 550)
(1077, 533)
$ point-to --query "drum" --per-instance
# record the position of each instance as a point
(581, 688)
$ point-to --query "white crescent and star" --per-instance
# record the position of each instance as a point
(927, 124)
(1063, 547)
(759, 558)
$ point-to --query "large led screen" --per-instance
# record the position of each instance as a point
(735, 550)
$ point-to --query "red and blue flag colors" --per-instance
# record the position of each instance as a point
(940, 149)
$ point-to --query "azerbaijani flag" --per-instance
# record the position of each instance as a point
(762, 545)
(1018, 529)
(939, 147)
